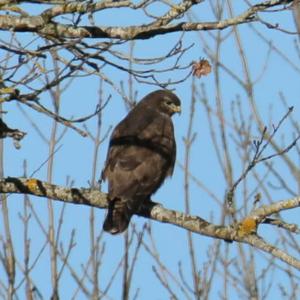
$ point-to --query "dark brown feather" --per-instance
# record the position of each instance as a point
(141, 155)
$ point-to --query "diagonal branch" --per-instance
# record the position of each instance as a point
(261, 244)
(243, 231)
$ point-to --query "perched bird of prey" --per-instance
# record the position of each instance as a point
(141, 154)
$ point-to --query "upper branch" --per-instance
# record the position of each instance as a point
(44, 25)
(84, 7)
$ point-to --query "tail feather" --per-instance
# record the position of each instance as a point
(118, 217)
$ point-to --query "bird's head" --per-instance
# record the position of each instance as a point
(169, 103)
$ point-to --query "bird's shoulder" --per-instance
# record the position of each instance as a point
(135, 122)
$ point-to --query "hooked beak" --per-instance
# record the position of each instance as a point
(176, 108)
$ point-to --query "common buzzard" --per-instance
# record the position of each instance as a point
(141, 154)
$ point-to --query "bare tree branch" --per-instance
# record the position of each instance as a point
(43, 24)
(243, 231)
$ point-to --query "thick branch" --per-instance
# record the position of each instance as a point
(259, 243)
(98, 199)
(42, 25)
(43, 189)
(244, 231)
(36, 24)
(266, 210)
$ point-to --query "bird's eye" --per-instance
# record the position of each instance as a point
(169, 102)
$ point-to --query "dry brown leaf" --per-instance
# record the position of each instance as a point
(201, 68)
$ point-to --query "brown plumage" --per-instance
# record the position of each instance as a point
(141, 154)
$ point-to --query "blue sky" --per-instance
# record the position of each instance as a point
(74, 158)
